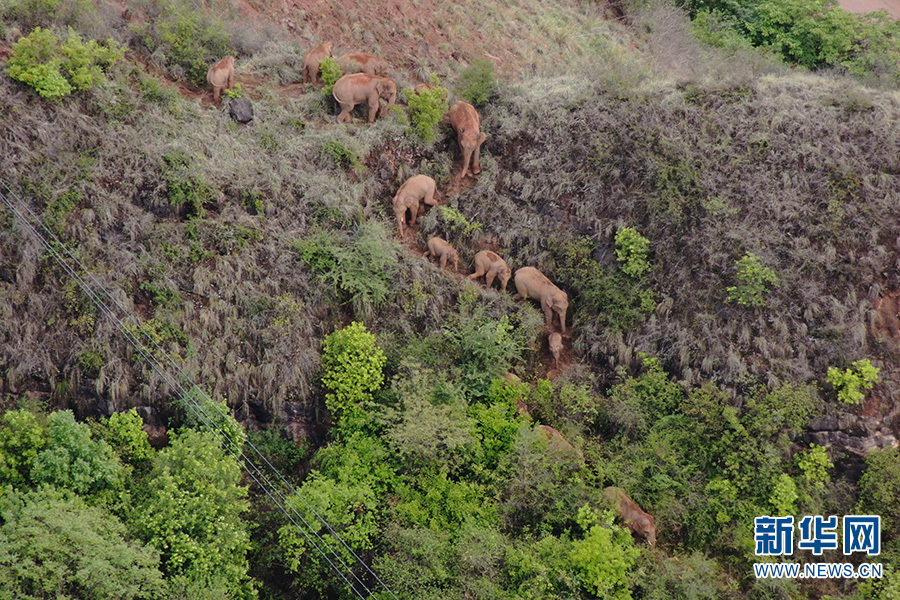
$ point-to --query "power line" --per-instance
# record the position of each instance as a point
(105, 301)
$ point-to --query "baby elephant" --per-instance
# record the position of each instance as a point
(410, 196)
(438, 248)
(555, 341)
(635, 519)
(221, 76)
(490, 265)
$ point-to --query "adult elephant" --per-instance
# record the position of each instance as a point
(313, 59)
(357, 88)
(531, 283)
(464, 119)
(414, 191)
(360, 62)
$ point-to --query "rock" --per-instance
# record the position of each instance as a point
(241, 110)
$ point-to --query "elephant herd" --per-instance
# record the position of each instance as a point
(367, 82)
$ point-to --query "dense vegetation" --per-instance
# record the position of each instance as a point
(725, 226)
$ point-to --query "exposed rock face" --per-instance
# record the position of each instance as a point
(157, 433)
(859, 435)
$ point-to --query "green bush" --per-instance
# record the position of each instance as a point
(755, 281)
(359, 268)
(341, 155)
(188, 40)
(352, 363)
(476, 83)
(331, 72)
(879, 488)
(426, 110)
(631, 251)
(861, 374)
(55, 68)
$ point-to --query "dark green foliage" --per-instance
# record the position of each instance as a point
(879, 489)
(342, 156)
(189, 40)
(185, 188)
(815, 34)
(53, 545)
(358, 268)
(476, 83)
(601, 295)
(124, 432)
(71, 459)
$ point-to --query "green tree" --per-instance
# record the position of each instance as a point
(124, 431)
(22, 436)
(861, 375)
(53, 545)
(191, 511)
(879, 488)
(631, 251)
(476, 83)
(754, 282)
(353, 365)
(72, 459)
(604, 556)
(426, 110)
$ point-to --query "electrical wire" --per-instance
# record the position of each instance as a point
(105, 301)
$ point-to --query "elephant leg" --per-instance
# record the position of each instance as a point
(490, 277)
(478, 273)
(548, 314)
(374, 107)
(476, 156)
(467, 159)
(344, 116)
(414, 211)
(562, 320)
(429, 198)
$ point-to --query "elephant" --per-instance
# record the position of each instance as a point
(557, 443)
(312, 60)
(410, 196)
(438, 248)
(422, 87)
(555, 342)
(360, 62)
(490, 265)
(357, 88)
(639, 522)
(221, 76)
(531, 283)
(465, 121)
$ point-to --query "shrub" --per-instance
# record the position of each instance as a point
(426, 110)
(190, 41)
(476, 83)
(861, 374)
(631, 251)
(341, 155)
(235, 92)
(331, 72)
(755, 281)
(879, 488)
(457, 222)
(352, 364)
(54, 68)
(359, 269)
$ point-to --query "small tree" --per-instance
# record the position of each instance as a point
(861, 374)
(476, 84)
(353, 365)
(426, 110)
(631, 251)
(755, 281)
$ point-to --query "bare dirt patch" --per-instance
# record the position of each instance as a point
(869, 6)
